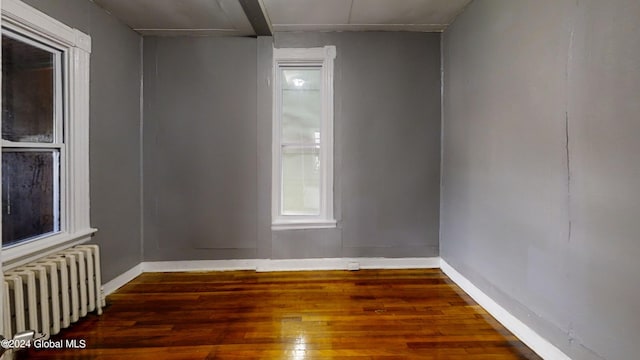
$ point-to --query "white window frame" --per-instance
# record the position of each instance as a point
(75, 48)
(322, 57)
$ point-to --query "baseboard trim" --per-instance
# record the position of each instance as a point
(399, 263)
(266, 265)
(528, 336)
(121, 280)
(199, 265)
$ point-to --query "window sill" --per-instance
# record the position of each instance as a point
(25, 253)
(303, 224)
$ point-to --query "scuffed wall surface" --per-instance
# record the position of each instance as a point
(539, 167)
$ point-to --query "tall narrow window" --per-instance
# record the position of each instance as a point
(303, 138)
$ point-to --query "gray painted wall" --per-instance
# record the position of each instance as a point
(539, 183)
(200, 148)
(207, 148)
(114, 130)
(538, 190)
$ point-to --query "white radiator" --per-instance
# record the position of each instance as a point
(53, 292)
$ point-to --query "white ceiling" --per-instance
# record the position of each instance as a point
(362, 15)
(226, 17)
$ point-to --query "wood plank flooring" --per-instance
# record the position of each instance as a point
(366, 314)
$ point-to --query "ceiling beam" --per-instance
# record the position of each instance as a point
(257, 16)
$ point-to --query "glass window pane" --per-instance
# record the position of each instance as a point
(27, 92)
(301, 105)
(300, 181)
(30, 194)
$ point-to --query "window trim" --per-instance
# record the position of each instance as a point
(74, 197)
(322, 57)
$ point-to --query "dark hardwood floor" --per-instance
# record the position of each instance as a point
(366, 314)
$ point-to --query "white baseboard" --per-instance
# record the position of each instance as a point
(263, 265)
(121, 280)
(348, 264)
(532, 339)
(199, 265)
(399, 263)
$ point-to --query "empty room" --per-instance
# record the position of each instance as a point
(320, 179)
